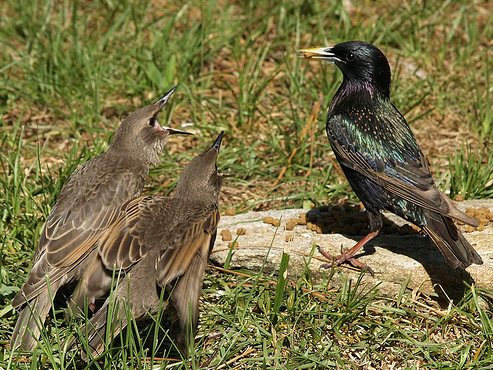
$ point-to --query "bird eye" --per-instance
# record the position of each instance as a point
(350, 57)
(152, 121)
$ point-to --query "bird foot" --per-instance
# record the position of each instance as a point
(344, 257)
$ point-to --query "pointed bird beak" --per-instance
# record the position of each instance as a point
(217, 146)
(217, 143)
(319, 53)
(162, 102)
(174, 131)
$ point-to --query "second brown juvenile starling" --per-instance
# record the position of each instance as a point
(88, 202)
(159, 246)
(381, 157)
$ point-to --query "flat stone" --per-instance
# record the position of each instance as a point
(395, 258)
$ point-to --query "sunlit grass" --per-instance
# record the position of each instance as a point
(71, 70)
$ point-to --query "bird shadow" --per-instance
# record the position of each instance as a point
(399, 237)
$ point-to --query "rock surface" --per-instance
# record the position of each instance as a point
(393, 257)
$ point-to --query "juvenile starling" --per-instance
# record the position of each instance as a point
(381, 158)
(159, 246)
(88, 202)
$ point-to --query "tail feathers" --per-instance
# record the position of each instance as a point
(185, 297)
(454, 247)
(31, 319)
(458, 215)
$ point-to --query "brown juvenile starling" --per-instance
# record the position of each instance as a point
(88, 202)
(381, 158)
(159, 247)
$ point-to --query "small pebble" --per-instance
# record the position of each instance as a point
(241, 231)
(226, 235)
(276, 222)
(302, 219)
(483, 221)
(230, 212)
(483, 215)
(292, 222)
(234, 243)
(289, 237)
(268, 220)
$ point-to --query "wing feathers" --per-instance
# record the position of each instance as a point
(418, 188)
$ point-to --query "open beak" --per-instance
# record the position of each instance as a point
(162, 102)
(319, 53)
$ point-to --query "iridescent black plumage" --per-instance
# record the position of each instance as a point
(380, 156)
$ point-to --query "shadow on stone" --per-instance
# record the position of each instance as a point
(401, 238)
(399, 255)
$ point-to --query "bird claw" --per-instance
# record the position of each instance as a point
(324, 253)
(344, 257)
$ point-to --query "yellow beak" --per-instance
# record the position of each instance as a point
(318, 53)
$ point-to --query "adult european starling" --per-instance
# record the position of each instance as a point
(381, 158)
(88, 202)
(159, 246)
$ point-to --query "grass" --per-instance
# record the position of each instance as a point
(471, 173)
(70, 70)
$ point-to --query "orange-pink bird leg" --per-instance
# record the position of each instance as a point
(349, 255)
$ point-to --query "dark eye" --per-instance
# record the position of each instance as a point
(350, 57)
(152, 121)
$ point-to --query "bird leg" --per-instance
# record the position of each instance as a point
(349, 255)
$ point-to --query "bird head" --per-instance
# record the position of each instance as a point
(200, 179)
(141, 132)
(361, 63)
